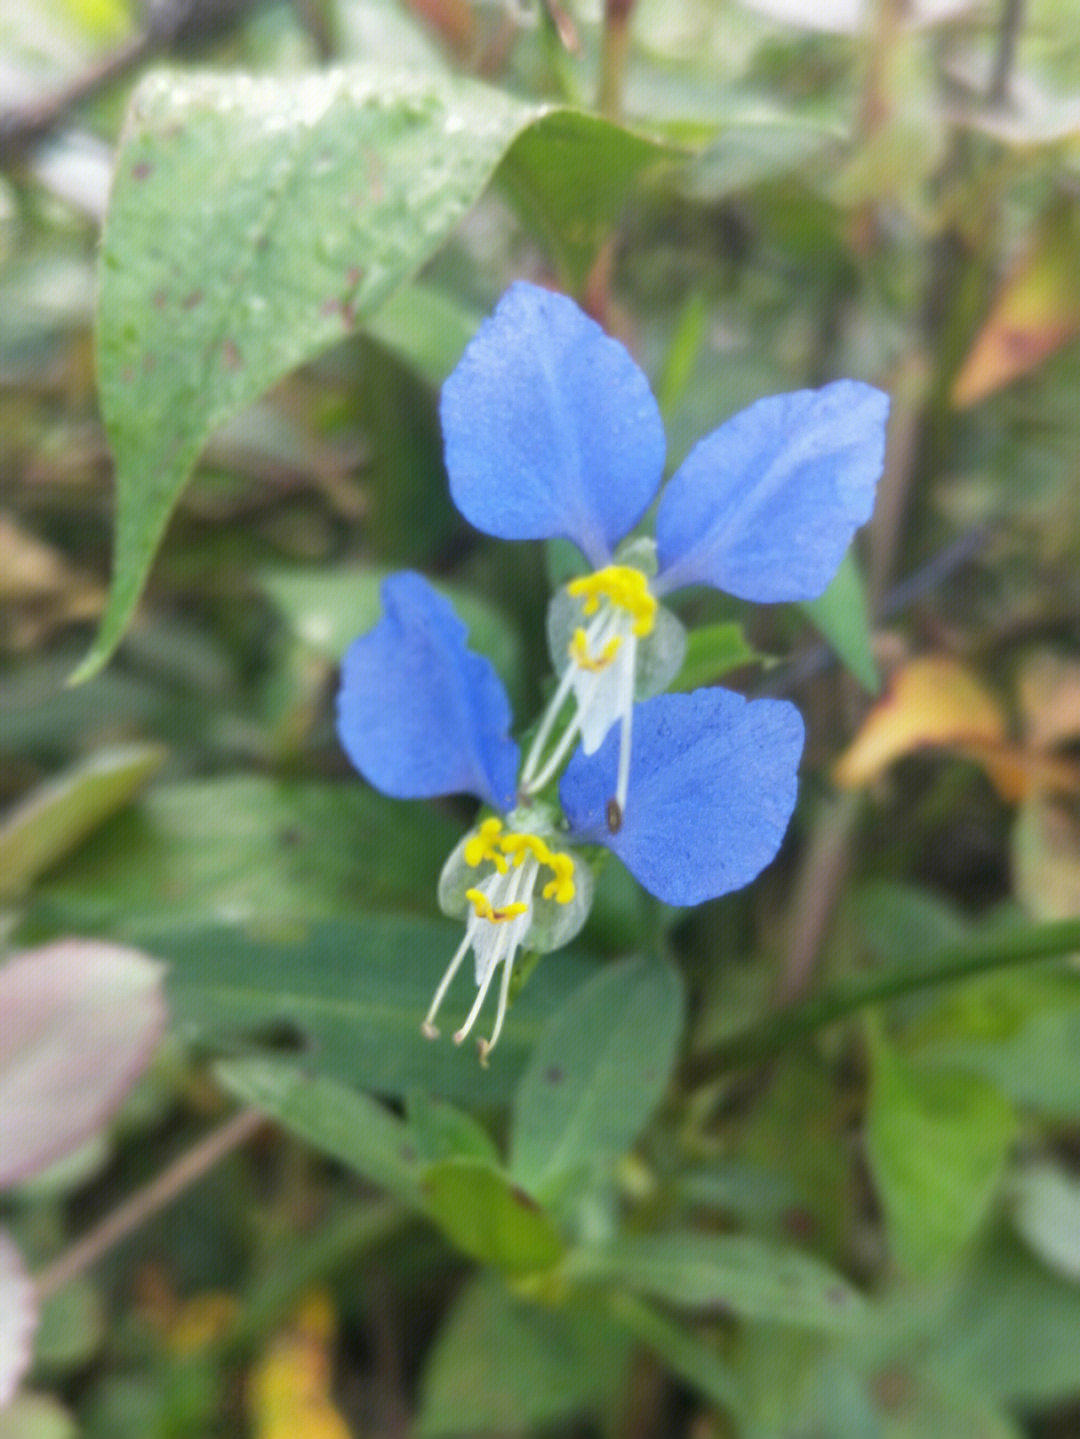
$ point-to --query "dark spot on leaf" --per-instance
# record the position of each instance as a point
(354, 274)
(161, 299)
(231, 357)
(328, 308)
(838, 1296)
(554, 1075)
(407, 1153)
(525, 1200)
(195, 298)
(141, 170)
(800, 1223)
(348, 313)
(891, 1388)
(290, 836)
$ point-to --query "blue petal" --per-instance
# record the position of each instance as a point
(418, 713)
(550, 427)
(765, 507)
(712, 787)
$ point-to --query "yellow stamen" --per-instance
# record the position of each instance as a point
(504, 849)
(561, 888)
(622, 585)
(579, 652)
(485, 845)
(482, 905)
(518, 845)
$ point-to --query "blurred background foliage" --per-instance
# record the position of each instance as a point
(805, 1161)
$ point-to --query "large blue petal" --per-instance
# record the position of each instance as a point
(550, 427)
(418, 713)
(765, 507)
(712, 787)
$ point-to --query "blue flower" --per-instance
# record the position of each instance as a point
(713, 776)
(551, 430)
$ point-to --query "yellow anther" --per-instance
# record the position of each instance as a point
(561, 888)
(482, 905)
(504, 850)
(485, 844)
(579, 652)
(622, 585)
(517, 846)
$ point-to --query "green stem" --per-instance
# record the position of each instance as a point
(614, 45)
(775, 1033)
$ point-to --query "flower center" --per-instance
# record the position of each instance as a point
(501, 914)
(619, 611)
(625, 588)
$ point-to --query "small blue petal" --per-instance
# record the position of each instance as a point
(712, 787)
(550, 427)
(418, 713)
(765, 507)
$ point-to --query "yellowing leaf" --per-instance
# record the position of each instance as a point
(934, 700)
(289, 1387)
(1049, 693)
(1036, 310)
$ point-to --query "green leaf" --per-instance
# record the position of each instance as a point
(55, 818)
(500, 1365)
(425, 327)
(842, 617)
(1001, 948)
(334, 1119)
(937, 1141)
(352, 995)
(763, 144)
(688, 1356)
(36, 1416)
(243, 849)
(254, 221)
(71, 1329)
(1013, 1329)
(746, 1275)
(597, 1074)
(489, 1217)
(711, 652)
(1046, 1212)
(443, 1132)
(570, 176)
(1038, 1067)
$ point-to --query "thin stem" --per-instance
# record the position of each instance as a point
(778, 1031)
(1012, 20)
(614, 46)
(146, 1202)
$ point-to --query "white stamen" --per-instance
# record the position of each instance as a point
(428, 1026)
(487, 1045)
(547, 724)
(626, 709)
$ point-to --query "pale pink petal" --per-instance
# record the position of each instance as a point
(79, 1020)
